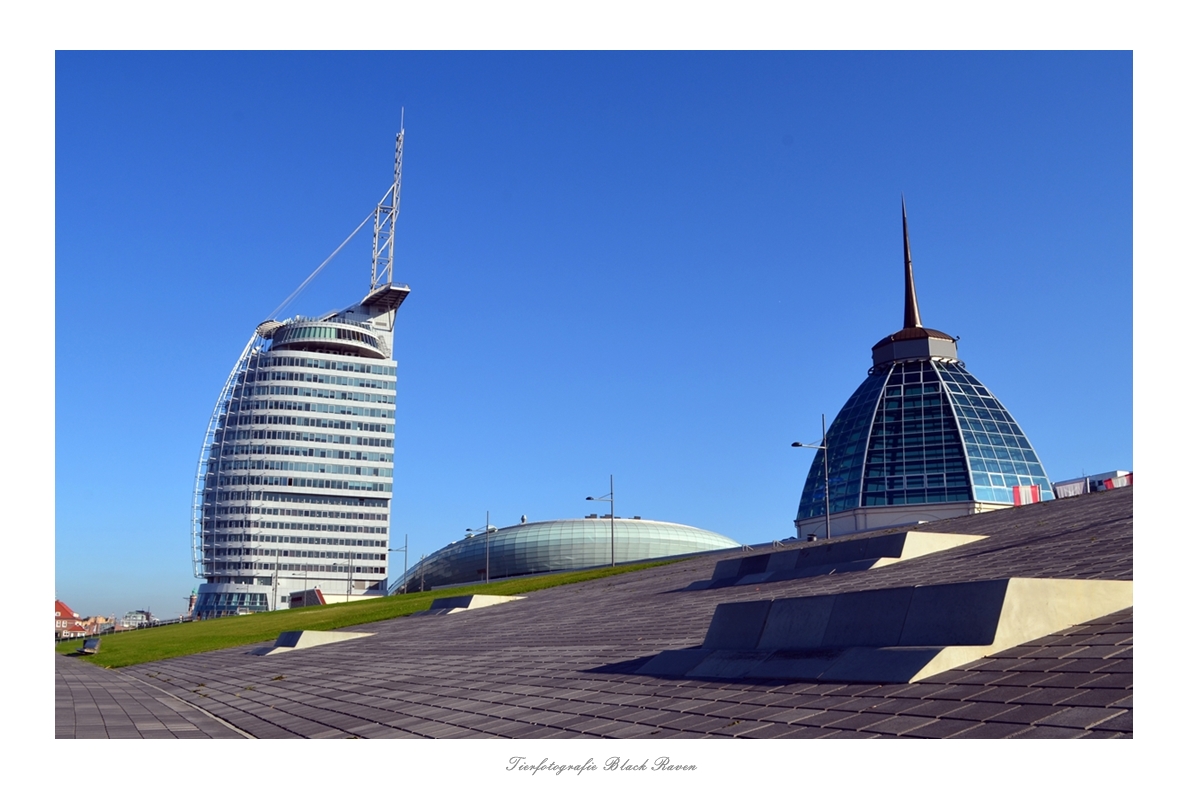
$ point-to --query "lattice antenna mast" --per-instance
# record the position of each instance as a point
(383, 245)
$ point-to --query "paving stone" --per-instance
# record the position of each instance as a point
(568, 672)
(1101, 698)
(811, 732)
(897, 705)
(1018, 679)
(975, 711)
(1065, 680)
(1022, 714)
(1049, 696)
(1007, 694)
(1111, 681)
(1048, 733)
(1082, 718)
(942, 728)
(992, 730)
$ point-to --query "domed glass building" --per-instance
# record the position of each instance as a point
(920, 439)
(557, 545)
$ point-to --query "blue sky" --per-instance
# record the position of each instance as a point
(663, 266)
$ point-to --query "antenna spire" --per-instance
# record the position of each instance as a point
(911, 304)
(383, 244)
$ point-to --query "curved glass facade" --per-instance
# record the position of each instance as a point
(295, 480)
(559, 545)
(920, 435)
(922, 432)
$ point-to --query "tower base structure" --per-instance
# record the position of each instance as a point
(223, 599)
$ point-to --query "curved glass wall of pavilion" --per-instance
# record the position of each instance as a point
(558, 545)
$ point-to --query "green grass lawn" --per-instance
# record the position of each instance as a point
(183, 639)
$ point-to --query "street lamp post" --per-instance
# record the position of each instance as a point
(349, 566)
(404, 549)
(486, 576)
(823, 448)
(603, 498)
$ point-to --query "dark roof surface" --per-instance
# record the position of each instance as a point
(561, 663)
(913, 333)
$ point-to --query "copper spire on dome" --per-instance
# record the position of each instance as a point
(911, 306)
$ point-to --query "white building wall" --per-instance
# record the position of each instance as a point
(300, 476)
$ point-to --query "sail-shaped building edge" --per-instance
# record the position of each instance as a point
(920, 439)
(294, 483)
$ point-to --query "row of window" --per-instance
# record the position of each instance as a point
(310, 483)
(914, 496)
(904, 373)
(993, 494)
(912, 403)
(315, 513)
(216, 523)
(1004, 466)
(954, 467)
(210, 567)
(318, 393)
(208, 500)
(931, 452)
(318, 423)
(975, 419)
(999, 451)
(319, 500)
(263, 538)
(1009, 480)
(309, 407)
(225, 465)
(954, 481)
(912, 390)
(306, 332)
(263, 449)
(255, 551)
(324, 379)
(217, 605)
(229, 435)
(280, 360)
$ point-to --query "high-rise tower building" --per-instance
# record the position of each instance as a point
(294, 481)
(920, 439)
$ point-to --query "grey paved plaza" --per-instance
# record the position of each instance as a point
(562, 662)
(91, 702)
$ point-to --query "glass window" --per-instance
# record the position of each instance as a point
(906, 429)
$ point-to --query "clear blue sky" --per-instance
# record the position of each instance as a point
(661, 266)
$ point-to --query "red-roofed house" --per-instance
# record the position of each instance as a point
(67, 623)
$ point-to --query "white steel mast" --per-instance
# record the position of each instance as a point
(383, 245)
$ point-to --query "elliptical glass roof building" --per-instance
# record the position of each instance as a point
(921, 438)
(557, 545)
